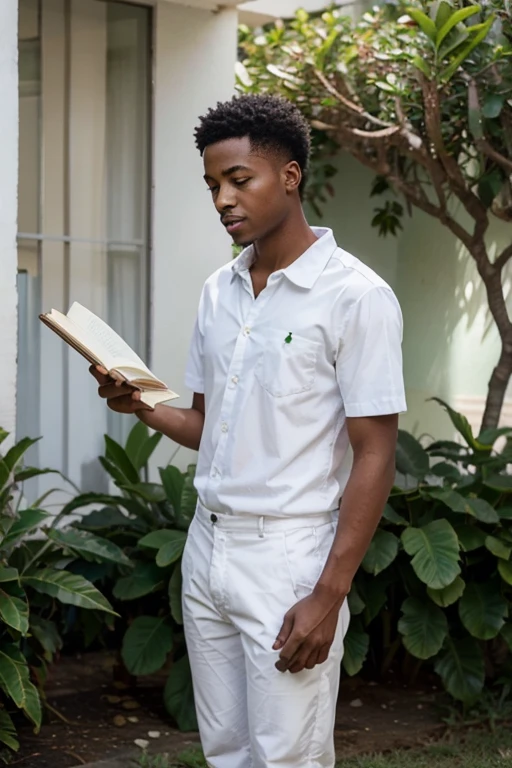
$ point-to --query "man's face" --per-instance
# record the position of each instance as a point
(251, 190)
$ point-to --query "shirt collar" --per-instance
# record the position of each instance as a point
(305, 270)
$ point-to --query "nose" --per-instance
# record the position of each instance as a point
(226, 198)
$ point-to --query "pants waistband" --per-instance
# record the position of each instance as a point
(262, 523)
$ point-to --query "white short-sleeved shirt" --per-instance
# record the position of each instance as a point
(280, 374)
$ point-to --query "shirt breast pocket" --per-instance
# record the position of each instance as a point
(287, 364)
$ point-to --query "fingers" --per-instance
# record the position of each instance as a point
(100, 374)
(114, 390)
(284, 632)
(290, 648)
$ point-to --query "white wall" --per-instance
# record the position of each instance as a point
(8, 208)
(195, 53)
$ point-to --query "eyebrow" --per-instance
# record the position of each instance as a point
(233, 169)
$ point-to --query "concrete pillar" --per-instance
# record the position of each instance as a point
(8, 209)
(195, 54)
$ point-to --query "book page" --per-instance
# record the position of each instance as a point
(119, 353)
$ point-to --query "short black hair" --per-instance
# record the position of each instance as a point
(270, 122)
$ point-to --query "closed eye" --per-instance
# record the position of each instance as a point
(241, 182)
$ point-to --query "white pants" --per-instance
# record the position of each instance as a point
(240, 576)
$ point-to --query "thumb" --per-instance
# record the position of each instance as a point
(284, 632)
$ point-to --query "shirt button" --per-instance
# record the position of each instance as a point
(235, 380)
(224, 427)
(214, 472)
(247, 331)
(213, 518)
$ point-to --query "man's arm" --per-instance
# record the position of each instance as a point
(183, 425)
(309, 627)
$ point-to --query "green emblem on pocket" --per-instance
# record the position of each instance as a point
(288, 339)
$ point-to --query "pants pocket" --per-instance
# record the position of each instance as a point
(306, 551)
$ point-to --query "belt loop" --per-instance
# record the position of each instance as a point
(261, 527)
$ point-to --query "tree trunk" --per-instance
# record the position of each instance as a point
(491, 275)
(497, 388)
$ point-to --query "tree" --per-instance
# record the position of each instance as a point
(421, 93)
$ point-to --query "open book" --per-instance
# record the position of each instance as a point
(100, 345)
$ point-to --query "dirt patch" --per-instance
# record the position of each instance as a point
(93, 718)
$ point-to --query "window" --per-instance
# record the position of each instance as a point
(83, 212)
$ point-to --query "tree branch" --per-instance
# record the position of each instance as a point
(503, 258)
(484, 147)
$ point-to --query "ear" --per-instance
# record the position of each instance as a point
(292, 176)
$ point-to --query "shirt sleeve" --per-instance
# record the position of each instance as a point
(194, 372)
(369, 358)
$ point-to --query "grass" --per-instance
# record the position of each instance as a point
(477, 749)
(474, 749)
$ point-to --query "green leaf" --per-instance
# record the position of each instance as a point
(492, 106)
(381, 552)
(9, 574)
(16, 684)
(423, 627)
(8, 735)
(478, 508)
(109, 518)
(151, 492)
(411, 458)
(138, 435)
(426, 25)
(435, 551)
(188, 499)
(47, 635)
(456, 18)
(446, 471)
(482, 610)
(355, 601)
(140, 445)
(448, 595)
(3, 435)
(501, 483)
(173, 481)
(489, 436)
(29, 472)
(89, 546)
(460, 423)
(179, 696)
(146, 644)
(506, 633)
(422, 65)
(172, 550)
(145, 579)
(356, 646)
(498, 547)
(505, 571)
(478, 34)
(175, 589)
(29, 519)
(461, 668)
(391, 516)
(470, 537)
(14, 607)
(118, 456)
(15, 453)
(4, 473)
(67, 588)
(157, 539)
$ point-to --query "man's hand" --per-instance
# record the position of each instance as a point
(307, 633)
(120, 397)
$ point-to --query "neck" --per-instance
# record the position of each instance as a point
(285, 244)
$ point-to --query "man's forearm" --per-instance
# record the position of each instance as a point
(361, 508)
(183, 425)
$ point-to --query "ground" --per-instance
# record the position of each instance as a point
(93, 717)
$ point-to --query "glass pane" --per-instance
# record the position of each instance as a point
(85, 75)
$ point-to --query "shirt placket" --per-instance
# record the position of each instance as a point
(235, 376)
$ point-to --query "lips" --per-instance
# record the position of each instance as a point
(233, 224)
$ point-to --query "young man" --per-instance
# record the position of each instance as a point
(296, 353)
